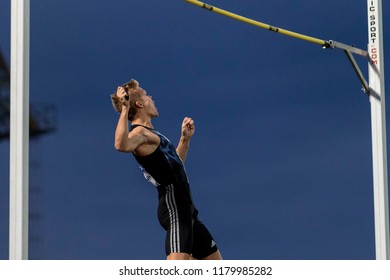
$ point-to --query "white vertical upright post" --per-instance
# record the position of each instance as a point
(19, 129)
(378, 127)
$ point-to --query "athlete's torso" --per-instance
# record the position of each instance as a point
(163, 166)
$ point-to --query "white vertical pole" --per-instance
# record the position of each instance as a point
(19, 129)
(378, 127)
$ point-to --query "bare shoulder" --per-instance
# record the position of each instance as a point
(139, 130)
(144, 132)
(152, 141)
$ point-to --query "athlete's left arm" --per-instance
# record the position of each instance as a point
(187, 131)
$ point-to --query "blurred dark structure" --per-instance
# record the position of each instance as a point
(42, 117)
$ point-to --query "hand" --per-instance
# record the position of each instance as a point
(123, 96)
(188, 127)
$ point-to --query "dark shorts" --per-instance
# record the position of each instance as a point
(179, 217)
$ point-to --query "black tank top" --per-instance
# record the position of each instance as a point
(163, 166)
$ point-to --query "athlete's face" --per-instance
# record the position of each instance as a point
(148, 103)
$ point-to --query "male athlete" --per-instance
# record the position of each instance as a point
(163, 166)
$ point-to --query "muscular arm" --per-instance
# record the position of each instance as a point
(126, 141)
(187, 131)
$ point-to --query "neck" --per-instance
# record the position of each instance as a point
(147, 123)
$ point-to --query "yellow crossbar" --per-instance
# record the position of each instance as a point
(321, 42)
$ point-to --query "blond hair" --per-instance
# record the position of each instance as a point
(132, 90)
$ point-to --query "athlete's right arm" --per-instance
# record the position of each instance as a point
(126, 141)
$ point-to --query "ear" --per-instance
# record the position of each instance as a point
(139, 104)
